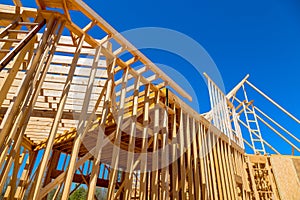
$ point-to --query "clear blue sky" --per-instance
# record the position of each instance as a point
(261, 38)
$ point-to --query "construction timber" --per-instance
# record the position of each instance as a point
(74, 113)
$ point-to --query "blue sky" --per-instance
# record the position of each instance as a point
(261, 38)
(256, 37)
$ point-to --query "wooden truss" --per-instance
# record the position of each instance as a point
(255, 119)
(73, 112)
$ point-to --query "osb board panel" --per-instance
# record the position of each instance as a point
(286, 177)
(297, 166)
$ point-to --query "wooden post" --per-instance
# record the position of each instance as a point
(130, 158)
(70, 173)
(212, 165)
(165, 181)
(216, 165)
(101, 132)
(116, 145)
(225, 166)
(196, 158)
(174, 165)
(206, 161)
(143, 183)
(154, 170)
(182, 157)
(202, 162)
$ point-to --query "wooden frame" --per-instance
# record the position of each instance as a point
(97, 121)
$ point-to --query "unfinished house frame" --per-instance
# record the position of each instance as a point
(75, 112)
